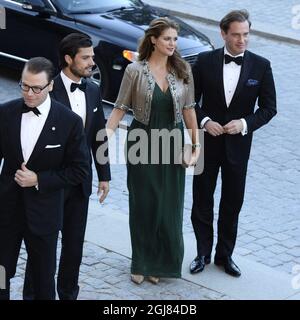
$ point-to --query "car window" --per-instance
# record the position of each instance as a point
(95, 5)
(47, 4)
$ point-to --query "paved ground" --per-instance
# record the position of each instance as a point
(269, 229)
(273, 18)
(104, 275)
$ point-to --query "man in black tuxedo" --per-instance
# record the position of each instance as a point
(44, 150)
(73, 88)
(229, 80)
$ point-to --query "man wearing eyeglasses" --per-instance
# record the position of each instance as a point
(44, 150)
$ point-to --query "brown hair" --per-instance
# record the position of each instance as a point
(40, 64)
(232, 16)
(175, 62)
(71, 44)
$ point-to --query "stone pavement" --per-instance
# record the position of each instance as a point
(104, 275)
(276, 19)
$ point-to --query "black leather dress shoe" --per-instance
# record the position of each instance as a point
(229, 266)
(199, 263)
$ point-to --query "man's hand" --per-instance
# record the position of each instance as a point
(103, 189)
(214, 128)
(26, 178)
(234, 127)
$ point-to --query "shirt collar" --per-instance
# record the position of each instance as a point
(67, 81)
(45, 106)
(227, 52)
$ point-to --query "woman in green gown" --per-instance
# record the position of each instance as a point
(159, 90)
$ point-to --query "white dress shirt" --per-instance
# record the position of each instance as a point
(231, 74)
(32, 126)
(76, 98)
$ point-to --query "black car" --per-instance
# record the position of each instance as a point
(35, 27)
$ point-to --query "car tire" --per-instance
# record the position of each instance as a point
(100, 77)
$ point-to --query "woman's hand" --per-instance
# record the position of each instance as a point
(194, 157)
(190, 155)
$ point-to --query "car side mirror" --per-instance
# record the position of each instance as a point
(34, 5)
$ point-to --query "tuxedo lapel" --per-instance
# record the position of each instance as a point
(218, 71)
(89, 107)
(246, 67)
(15, 131)
(60, 93)
(48, 130)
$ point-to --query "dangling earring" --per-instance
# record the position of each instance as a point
(153, 46)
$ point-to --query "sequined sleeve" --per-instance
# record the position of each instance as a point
(190, 92)
(124, 99)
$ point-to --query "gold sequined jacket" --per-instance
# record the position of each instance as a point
(137, 88)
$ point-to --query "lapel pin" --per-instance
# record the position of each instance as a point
(53, 128)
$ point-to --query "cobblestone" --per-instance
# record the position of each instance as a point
(277, 249)
(104, 282)
(266, 16)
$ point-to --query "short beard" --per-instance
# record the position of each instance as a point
(78, 74)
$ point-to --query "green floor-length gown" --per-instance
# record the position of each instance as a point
(156, 196)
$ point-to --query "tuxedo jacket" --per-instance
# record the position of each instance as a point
(95, 121)
(255, 84)
(59, 159)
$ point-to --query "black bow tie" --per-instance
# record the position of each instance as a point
(237, 60)
(81, 86)
(26, 109)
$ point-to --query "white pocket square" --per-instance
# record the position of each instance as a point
(95, 109)
(51, 146)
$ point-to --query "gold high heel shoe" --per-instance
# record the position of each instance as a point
(137, 278)
(154, 280)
